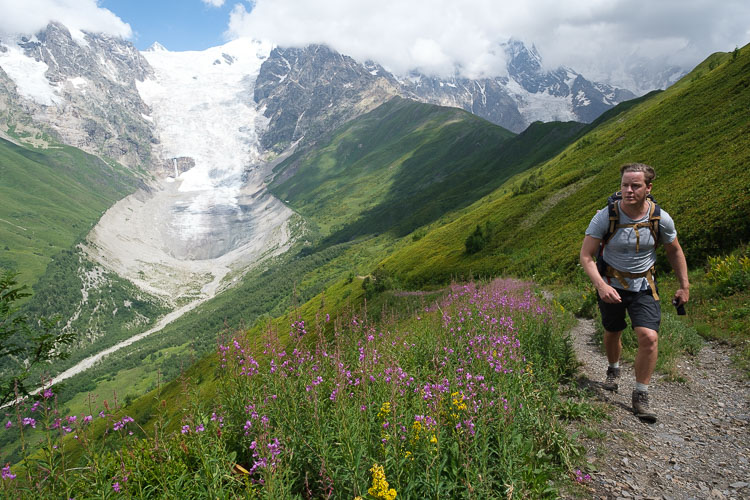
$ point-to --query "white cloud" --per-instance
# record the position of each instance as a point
(213, 3)
(32, 16)
(440, 36)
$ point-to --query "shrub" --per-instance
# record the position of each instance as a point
(477, 240)
(23, 345)
(729, 275)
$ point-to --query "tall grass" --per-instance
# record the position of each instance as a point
(458, 401)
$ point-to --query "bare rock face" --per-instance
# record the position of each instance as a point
(95, 106)
(307, 92)
(173, 167)
(488, 98)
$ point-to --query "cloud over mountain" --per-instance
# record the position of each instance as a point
(32, 16)
(600, 38)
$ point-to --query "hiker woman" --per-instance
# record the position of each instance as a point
(618, 255)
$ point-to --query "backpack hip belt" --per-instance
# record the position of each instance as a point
(620, 276)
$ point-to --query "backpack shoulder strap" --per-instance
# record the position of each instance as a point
(613, 208)
(654, 217)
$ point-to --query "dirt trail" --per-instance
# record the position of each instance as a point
(699, 447)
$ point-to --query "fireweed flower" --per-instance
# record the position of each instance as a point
(6, 473)
(581, 477)
(120, 424)
(29, 421)
(9, 424)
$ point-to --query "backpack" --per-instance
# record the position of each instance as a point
(654, 217)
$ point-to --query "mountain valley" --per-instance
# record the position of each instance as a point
(248, 187)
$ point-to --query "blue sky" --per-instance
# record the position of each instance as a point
(602, 39)
(177, 24)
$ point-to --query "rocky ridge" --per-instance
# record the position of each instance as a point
(306, 92)
(93, 102)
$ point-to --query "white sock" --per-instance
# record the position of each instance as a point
(641, 387)
(615, 365)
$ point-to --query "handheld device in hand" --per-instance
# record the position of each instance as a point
(680, 308)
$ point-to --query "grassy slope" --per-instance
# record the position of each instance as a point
(696, 123)
(295, 279)
(407, 164)
(326, 280)
(50, 198)
(697, 136)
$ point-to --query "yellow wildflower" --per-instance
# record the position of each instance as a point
(458, 401)
(416, 428)
(380, 487)
(385, 409)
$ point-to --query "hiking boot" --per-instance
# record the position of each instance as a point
(613, 374)
(641, 407)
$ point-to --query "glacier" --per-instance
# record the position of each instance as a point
(191, 229)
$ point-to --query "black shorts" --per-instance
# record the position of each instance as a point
(641, 307)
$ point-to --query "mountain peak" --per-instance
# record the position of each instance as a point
(157, 47)
(520, 56)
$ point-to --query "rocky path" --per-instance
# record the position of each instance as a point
(700, 445)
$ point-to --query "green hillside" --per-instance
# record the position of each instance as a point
(535, 233)
(697, 136)
(297, 277)
(49, 199)
(407, 164)
(334, 395)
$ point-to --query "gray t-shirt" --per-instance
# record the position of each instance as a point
(620, 251)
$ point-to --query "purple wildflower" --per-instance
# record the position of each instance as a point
(6, 473)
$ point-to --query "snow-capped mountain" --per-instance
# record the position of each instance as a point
(82, 92)
(206, 124)
(188, 119)
(88, 93)
(305, 91)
